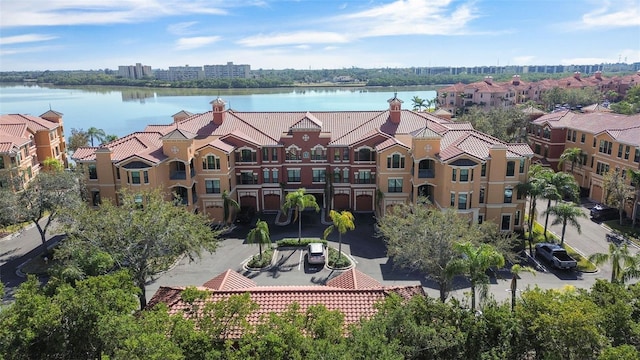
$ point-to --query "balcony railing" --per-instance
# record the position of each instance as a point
(365, 181)
(178, 175)
(426, 173)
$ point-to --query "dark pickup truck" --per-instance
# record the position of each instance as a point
(556, 255)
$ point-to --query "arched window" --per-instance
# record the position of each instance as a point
(211, 162)
(293, 153)
(395, 161)
(365, 154)
(319, 153)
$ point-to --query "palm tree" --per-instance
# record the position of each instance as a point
(418, 103)
(109, 138)
(533, 189)
(259, 235)
(560, 185)
(343, 222)
(515, 272)
(474, 263)
(227, 203)
(95, 133)
(624, 265)
(634, 178)
(299, 200)
(566, 213)
(573, 155)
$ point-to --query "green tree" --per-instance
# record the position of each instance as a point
(145, 234)
(343, 222)
(227, 203)
(516, 270)
(45, 197)
(298, 201)
(617, 191)
(534, 188)
(634, 179)
(566, 214)
(474, 263)
(95, 133)
(506, 124)
(109, 138)
(630, 104)
(259, 235)
(422, 238)
(418, 103)
(624, 265)
(572, 155)
(560, 185)
(78, 138)
(51, 164)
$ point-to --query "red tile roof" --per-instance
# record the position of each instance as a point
(355, 303)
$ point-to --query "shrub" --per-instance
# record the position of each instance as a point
(336, 261)
(257, 263)
(303, 243)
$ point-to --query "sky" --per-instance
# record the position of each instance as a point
(315, 34)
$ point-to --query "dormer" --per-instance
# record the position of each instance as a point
(515, 80)
(395, 108)
(181, 115)
(218, 111)
(576, 75)
(52, 116)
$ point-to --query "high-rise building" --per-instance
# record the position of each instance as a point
(137, 71)
(227, 71)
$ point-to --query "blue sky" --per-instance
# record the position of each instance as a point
(315, 34)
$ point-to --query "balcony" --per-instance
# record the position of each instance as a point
(426, 173)
(178, 175)
(248, 179)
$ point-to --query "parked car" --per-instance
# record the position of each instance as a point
(315, 254)
(602, 212)
(616, 238)
(556, 255)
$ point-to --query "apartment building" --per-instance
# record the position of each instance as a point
(137, 71)
(364, 161)
(26, 141)
(488, 94)
(608, 142)
(227, 71)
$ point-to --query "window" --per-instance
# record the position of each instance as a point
(93, 172)
(336, 155)
(293, 153)
(1, 162)
(626, 152)
(521, 169)
(245, 155)
(365, 154)
(265, 154)
(318, 153)
(508, 195)
(636, 157)
(462, 201)
(275, 176)
(594, 141)
(480, 219)
(582, 138)
(505, 224)
(395, 161)
(454, 173)
(336, 176)
(345, 154)
(483, 170)
(573, 136)
(464, 175)
(511, 168)
(145, 175)
(453, 199)
(619, 150)
(568, 135)
(134, 177)
(293, 175)
(363, 177)
(395, 185)
(602, 168)
(516, 219)
(546, 133)
(482, 192)
(212, 186)
(537, 149)
(95, 198)
(546, 151)
(265, 175)
(274, 154)
(319, 175)
(345, 175)
(605, 147)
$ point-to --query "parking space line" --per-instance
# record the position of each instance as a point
(300, 261)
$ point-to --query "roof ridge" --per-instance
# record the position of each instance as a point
(253, 127)
(361, 125)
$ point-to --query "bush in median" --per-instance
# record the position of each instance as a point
(293, 242)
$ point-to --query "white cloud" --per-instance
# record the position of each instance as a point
(26, 38)
(195, 42)
(410, 17)
(613, 14)
(183, 28)
(295, 38)
(80, 12)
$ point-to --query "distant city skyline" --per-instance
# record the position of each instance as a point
(279, 34)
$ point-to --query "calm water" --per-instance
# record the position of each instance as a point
(121, 111)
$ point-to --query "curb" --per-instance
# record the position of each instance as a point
(266, 268)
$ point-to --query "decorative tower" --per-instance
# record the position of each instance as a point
(395, 107)
(218, 111)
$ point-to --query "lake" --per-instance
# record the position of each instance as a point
(123, 110)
